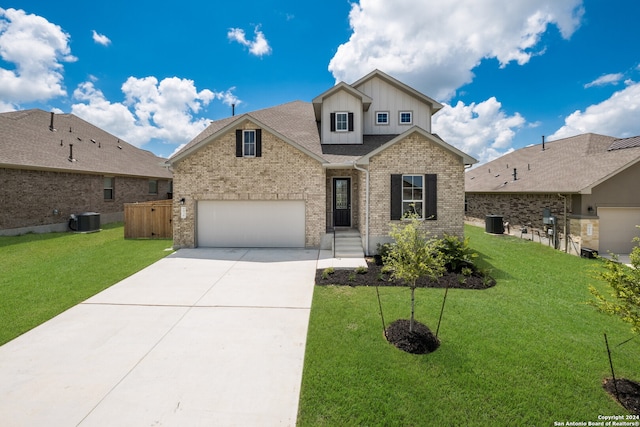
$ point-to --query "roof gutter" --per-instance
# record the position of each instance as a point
(366, 209)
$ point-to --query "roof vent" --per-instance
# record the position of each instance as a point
(71, 159)
(51, 128)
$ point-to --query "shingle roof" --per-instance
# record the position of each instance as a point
(297, 123)
(570, 165)
(27, 142)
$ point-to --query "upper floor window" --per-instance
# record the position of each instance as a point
(342, 122)
(406, 118)
(249, 143)
(382, 117)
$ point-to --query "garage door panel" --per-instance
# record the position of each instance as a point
(251, 223)
(617, 229)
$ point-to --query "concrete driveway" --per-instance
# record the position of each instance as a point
(203, 337)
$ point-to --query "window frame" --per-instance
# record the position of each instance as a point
(410, 113)
(340, 114)
(111, 188)
(413, 200)
(153, 183)
(386, 115)
(246, 143)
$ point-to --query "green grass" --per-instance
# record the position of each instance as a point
(527, 352)
(41, 275)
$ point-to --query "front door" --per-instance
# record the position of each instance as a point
(342, 202)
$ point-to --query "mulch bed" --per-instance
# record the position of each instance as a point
(419, 341)
(629, 392)
(375, 277)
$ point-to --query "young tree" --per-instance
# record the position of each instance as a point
(412, 256)
(625, 289)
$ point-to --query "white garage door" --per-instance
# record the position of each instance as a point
(247, 224)
(617, 229)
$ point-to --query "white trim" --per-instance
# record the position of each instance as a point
(377, 118)
(400, 113)
(346, 122)
(402, 200)
(255, 143)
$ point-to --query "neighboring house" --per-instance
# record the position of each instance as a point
(358, 156)
(596, 175)
(56, 165)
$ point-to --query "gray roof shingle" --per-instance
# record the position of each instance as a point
(27, 142)
(570, 165)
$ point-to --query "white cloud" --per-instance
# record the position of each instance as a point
(37, 48)
(258, 47)
(607, 79)
(101, 39)
(616, 116)
(161, 110)
(481, 130)
(434, 47)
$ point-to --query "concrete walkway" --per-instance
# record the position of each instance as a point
(202, 337)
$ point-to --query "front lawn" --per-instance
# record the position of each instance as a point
(41, 275)
(527, 351)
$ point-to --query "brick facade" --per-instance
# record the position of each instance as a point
(517, 209)
(36, 198)
(416, 155)
(215, 173)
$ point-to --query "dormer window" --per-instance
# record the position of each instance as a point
(406, 118)
(382, 117)
(341, 121)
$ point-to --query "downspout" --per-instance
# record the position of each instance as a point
(366, 209)
(566, 237)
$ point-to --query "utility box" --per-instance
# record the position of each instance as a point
(494, 224)
(588, 253)
(88, 222)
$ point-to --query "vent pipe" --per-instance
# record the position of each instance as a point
(542, 142)
(233, 109)
(51, 128)
(71, 159)
(515, 174)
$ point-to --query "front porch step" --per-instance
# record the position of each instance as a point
(348, 243)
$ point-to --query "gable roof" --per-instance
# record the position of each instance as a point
(293, 122)
(26, 142)
(570, 165)
(435, 105)
(466, 159)
(342, 86)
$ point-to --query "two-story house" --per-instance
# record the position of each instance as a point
(358, 156)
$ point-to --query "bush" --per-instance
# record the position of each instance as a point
(458, 256)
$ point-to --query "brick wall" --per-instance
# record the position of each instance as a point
(517, 209)
(417, 155)
(215, 173)
(32, 198)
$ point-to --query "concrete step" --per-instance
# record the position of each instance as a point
(348, 244)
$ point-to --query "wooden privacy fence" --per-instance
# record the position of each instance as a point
(148, 220)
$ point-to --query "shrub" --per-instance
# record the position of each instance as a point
(327, 271)
(361, 269)
(457, 254)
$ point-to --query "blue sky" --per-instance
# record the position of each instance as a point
(155, 73)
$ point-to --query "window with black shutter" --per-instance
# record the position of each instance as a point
(249, 143)
(414, 194)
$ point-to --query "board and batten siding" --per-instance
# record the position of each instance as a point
(389, 98)
(342, 101)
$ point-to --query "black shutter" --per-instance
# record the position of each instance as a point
(332, 118)
(258, 142)
(350, 118)
(431, 210)
(396, 197)
(238, 142)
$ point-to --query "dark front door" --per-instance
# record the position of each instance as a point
(342, 202)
